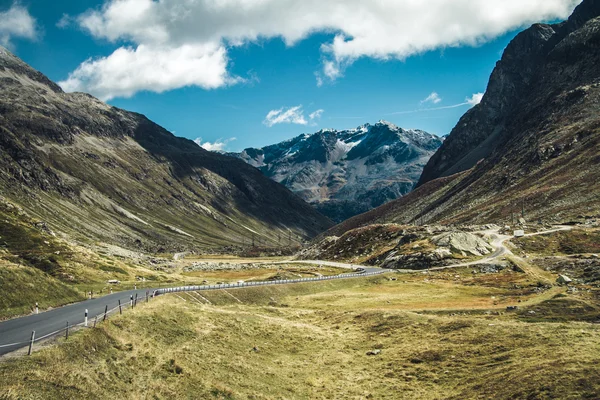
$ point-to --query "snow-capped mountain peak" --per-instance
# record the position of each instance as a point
(347, 172)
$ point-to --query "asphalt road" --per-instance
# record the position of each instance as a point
(18, 330)
(16, 333)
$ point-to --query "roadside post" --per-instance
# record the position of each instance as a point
(105, 312)
(120, 308)
(67, 332)
(31, 343)
(85, 321)
(37, 308)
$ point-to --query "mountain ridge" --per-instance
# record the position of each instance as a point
(532, 146)
(98, 172)
(346, 172)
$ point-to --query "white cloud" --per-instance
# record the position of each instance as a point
(217, 145)
(432, 98)
(17, 22)
(475, 99)
(291, 115)
(381, 29)
(65, 21)
(469, 101)
(128, 71)
(316, 115)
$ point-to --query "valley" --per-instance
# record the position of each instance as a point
(370, 263)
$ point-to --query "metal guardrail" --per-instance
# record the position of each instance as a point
(262, 283)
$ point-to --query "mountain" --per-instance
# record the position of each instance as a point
(345, 173)
(533, 144)
(98, 173)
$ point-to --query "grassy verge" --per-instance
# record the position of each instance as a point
(22, 287)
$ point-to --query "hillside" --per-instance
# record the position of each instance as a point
(92, 172)
(348, 172)
(533, 144)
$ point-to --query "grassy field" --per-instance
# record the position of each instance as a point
(437, 336)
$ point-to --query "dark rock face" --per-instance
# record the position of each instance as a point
(345, 173)
(516, 76)
(95, 171)
(533, 143)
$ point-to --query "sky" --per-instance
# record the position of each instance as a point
(233, 74)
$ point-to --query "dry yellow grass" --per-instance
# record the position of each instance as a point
(310, 341)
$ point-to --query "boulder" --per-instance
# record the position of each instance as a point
(463, 242)
(564, 280)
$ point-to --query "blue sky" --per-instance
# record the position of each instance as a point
(234, 79)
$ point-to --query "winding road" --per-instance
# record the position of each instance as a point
(16, 333)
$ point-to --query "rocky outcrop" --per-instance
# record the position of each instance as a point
(464, 243)
(345, 173)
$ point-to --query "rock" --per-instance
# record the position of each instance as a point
(442, 253)
(373, 352)
(463, 242)
(512, 308)
(564, 280)
(491, 268)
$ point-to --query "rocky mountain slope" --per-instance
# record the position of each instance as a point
(98, 173)
(345, 173)
(533, 144)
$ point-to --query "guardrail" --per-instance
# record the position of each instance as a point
(263, 283)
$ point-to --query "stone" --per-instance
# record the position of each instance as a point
(462, 243)
(373, 352)
(564, 280)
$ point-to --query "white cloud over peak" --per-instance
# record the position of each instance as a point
(16, 22)
(292, 115)
(432, 98)
(217, 145)
(381, 29)
(316, 115)
(475, 99)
